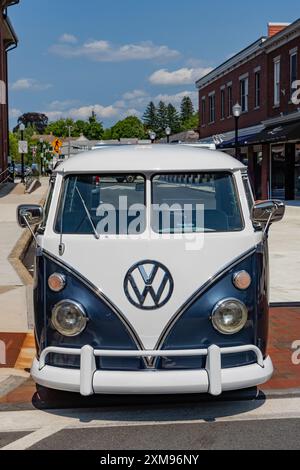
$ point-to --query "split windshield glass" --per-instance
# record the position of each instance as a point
(181, 203)
(195, 202)
(109, 204)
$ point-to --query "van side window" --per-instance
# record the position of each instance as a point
(48, 204)
(248, 191)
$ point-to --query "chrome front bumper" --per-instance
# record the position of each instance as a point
(213, 379)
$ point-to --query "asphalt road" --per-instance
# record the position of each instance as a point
(256, 424)
(249, 435)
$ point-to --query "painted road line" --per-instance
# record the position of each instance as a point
(34, 420)
(33, 438)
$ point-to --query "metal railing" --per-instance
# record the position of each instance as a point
(28, 179)
(5, 176)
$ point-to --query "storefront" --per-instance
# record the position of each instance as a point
(273, 159)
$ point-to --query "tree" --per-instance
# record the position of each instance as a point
(186, 109)
(162, 118)
(107, 134)
(14, 147)
(173, 119)
(60, 128)
(192, 123)
(94, 128)
(150, 117)
(130, 127)
(37, 120)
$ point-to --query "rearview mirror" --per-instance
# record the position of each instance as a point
(29, 214)
(268, 212)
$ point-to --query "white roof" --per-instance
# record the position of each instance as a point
(149, 158)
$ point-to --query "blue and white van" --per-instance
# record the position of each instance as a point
(151, 274)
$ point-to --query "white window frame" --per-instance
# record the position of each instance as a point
(257, 73)
(203, 110)
(244, 93)
(229, 99)
(2, 92)
(223, 102)
(293, 54)
(277, 81)
(212, 107)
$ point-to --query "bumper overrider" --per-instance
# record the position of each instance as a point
(213, 379)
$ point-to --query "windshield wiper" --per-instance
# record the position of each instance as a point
(88, 214)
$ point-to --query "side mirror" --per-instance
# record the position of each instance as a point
(268, 212)
(30, 215)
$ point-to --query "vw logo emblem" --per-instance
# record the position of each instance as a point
(148, 285)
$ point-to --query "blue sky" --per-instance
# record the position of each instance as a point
(115, 56)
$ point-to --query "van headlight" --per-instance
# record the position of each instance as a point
(69, 318)
(229, 316)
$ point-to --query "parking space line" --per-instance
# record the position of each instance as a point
(33, 438)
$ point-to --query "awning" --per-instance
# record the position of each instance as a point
(243, 141)
(278, 133)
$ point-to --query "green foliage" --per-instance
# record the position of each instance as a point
(186, 109)
(107, 134)
(162, 119)
(91, 129)
(60, 128)
(37, 120)
(173, 119)
(150, 118)
(14, 147)
(130, 127)
(191, 123)
(94, 129)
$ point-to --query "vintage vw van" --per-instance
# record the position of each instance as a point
(151, 274)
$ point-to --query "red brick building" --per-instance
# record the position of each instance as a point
(260, 78)
(8, 41)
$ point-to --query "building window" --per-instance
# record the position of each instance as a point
(222, 103)
(203, 111)
(229, 100)
(2, 92)
(244, 94)
(293, 71)
(257, 89)
(212, 108)
(277, 82)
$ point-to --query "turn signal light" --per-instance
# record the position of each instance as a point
(57, 282)
(242, 280)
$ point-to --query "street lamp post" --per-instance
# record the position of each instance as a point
(42, 155)
(69, 143)
(22, 129)
(237, 111)
(168, 134)
(152, 136)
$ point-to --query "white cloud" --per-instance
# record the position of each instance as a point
(29, 84)
(103, 112)
(131, 95)
(62, 105)
(15, 113)
(68, 39)
(105, 51)
(183, 76)
(177, 97)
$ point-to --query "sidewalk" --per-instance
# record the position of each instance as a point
(15, 295)
(284, 245)
(19, 390)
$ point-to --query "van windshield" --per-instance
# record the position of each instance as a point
(195, 202)
(103, 204)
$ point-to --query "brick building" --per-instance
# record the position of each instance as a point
(260, 78)
(8, 41)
